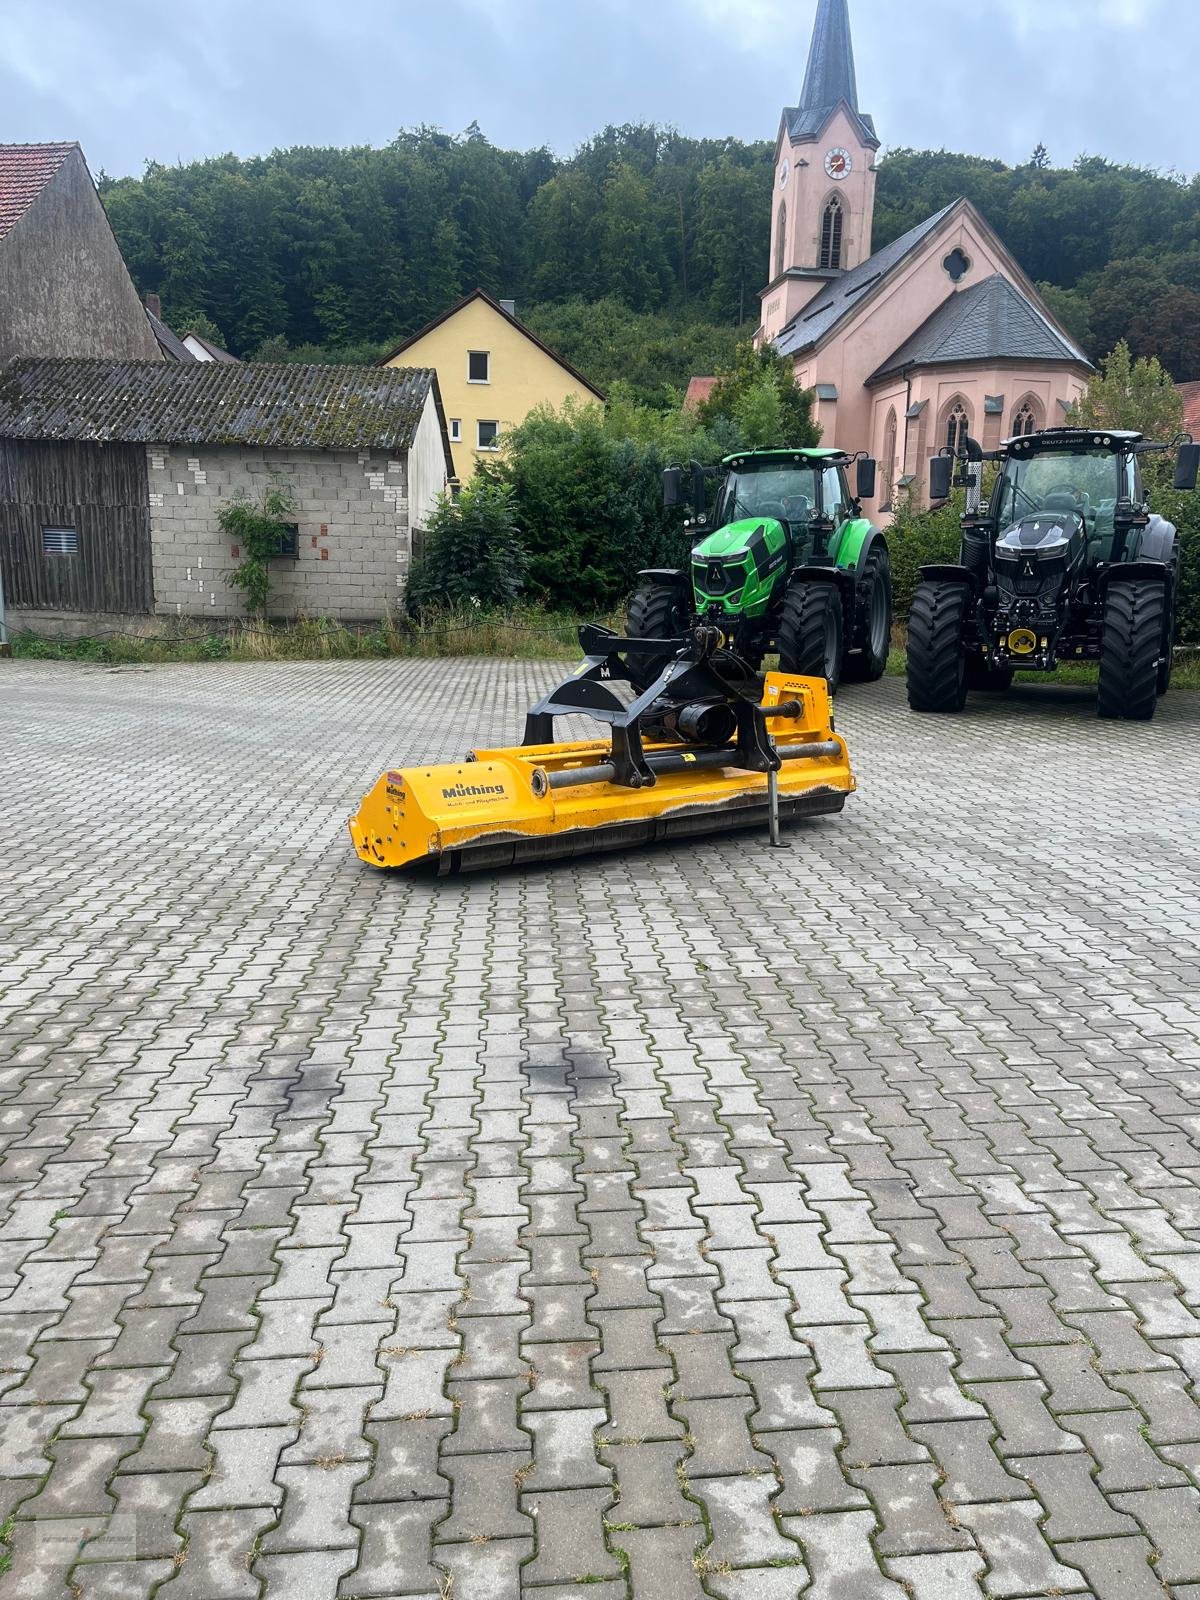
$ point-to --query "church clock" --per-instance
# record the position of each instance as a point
(838, 163)
(783, 173)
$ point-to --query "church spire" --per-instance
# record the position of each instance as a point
(829, 76)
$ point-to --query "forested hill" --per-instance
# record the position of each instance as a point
(350, 249)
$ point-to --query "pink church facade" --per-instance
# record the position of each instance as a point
(939, 333)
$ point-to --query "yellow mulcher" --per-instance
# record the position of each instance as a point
(699, 743)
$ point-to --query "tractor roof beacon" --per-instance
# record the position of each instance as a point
(784, 560)
(1066, 562)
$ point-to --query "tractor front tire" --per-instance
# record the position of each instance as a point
(1131, 649)
(874, 602)
(809, 635)
(656, 611)
(937, 662)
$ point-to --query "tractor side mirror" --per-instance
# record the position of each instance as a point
(699, 491)
(672, 487)
(940, 469)
(864, 485)
(1187, 465)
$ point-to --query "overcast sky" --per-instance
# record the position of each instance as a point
(173, 80)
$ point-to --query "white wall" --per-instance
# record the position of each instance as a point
(426, 466)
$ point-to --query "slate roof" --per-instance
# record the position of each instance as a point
(208, 402)
(829, 79)
(844, 294)
(169, 342)
(25, 170)
(991, 321)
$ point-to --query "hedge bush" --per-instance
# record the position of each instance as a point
(1183, 509)
(587, 492)
(472, 555)
(917, 537)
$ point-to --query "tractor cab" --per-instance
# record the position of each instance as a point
(1091, 481)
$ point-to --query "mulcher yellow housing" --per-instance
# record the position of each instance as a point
(707, 746)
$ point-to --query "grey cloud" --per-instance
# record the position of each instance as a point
(134, 80)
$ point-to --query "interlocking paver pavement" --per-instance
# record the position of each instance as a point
(707, 1221)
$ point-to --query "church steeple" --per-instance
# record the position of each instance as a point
(824, 191)
(829, 76)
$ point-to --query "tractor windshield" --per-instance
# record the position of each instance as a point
(1087, 481)
(786, 492)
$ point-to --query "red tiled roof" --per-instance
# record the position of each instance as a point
(698, 391)
(25, 170)
(1189, 393)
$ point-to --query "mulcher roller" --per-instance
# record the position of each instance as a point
(708, 747)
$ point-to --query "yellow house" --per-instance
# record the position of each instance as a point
(492, 372)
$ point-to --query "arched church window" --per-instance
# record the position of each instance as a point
(1024, 418)
(780, 237)
(831, 234)
(889, 460)
(956, 427)
(955, 265)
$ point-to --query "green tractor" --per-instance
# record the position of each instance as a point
(785, 562)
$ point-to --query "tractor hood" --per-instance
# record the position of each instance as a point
(736, 538)
(737, 566)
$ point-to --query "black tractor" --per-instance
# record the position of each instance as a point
(1065, 563)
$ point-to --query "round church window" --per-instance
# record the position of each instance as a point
(955, 265)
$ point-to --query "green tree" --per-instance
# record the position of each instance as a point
(653, 353)
(587, 490)
(1130, 394)
(733, 224)
(1119, 290)
(1169, 328)
(737, 395)
(633, 262)
(473, 553)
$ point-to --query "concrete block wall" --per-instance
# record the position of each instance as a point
(352, 509)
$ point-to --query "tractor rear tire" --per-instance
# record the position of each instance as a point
(874, 601)
(809, 635)
(937, 662)
(1131, 649)
(656, 611)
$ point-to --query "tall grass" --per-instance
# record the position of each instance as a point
(523, 632)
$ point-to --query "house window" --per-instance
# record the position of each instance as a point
(487, 435)
(956, 427)
(60, 542)
(455, 430)
(1023, 421)
(479, 366)
(831, 234)
(780, 237)
(289, 539)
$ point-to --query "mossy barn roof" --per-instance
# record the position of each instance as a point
(207, 402)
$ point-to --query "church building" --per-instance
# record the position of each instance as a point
(938, 334)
